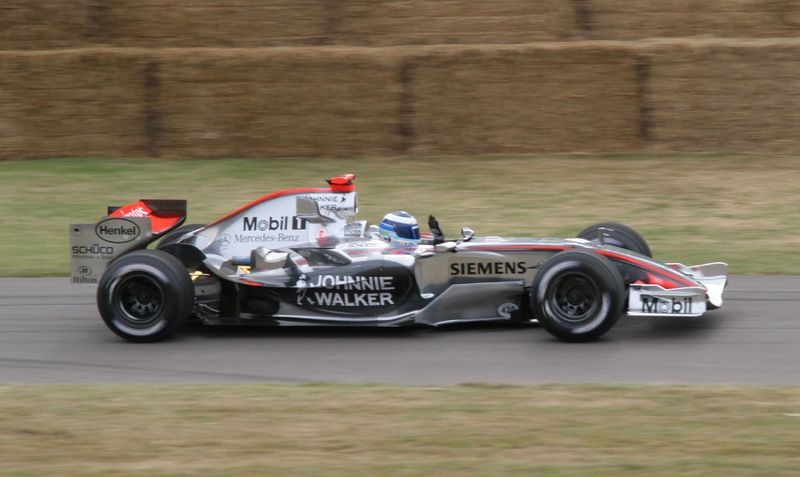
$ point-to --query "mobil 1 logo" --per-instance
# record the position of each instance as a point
(264, 224)
(671, 306)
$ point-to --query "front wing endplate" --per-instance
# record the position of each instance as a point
(654, 300)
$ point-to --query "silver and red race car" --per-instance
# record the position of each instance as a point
(299, 257)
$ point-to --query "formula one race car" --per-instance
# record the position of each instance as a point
(299, 257)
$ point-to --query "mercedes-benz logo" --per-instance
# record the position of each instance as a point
(224, 240)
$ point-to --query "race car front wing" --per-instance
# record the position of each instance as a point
(655, 300)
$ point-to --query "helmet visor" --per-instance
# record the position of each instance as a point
(407, 231)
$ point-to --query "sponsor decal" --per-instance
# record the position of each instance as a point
(364, 244)
(92, 250)
(283, 222)
(506, 309)
(117, 230)
(352, 230)
(488, 268)
(674, 306)
(262, 238)
(330, 202)
(327, 199)
(137, 212)
(224, 241)
(84, 272)
(346, 291)
(367, 288)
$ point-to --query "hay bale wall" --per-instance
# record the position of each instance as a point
(699, 95)
(634, 20)
(214, 23)
(44, 24)
(546, 98)
(725, 96)
(423, 22)
(73, 103)
(37, 24)
(311, 101)
(279, 102)
(280, 77)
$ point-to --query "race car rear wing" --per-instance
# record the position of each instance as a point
(130, 227)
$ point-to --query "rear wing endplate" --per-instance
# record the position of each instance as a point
(94, 246)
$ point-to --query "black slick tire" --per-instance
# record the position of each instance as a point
(618, 235)
(577, 296)
(145, 296)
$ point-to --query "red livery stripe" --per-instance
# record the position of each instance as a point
(653, 279)
(490, 248)
(647, 266)
(271, 196)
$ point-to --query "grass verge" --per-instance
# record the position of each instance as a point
(691, 208)
(346, 430)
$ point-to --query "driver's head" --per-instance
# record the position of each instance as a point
(400, 228)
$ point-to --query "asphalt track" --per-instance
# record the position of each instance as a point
(50, 332)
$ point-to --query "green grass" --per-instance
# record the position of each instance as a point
(691, 208)
(347, 430)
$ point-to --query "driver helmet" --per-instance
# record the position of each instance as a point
(400, 228)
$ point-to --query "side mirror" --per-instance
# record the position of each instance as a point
(467, 233)
(308, 209)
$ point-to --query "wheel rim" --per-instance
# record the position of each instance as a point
(574, 298)
(139, 300)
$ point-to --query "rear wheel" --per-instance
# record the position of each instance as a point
(618, 235)
(145, 296)
(578, 296)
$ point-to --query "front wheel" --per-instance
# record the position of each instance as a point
(618, 235)
(145, 296)
(577, 296)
